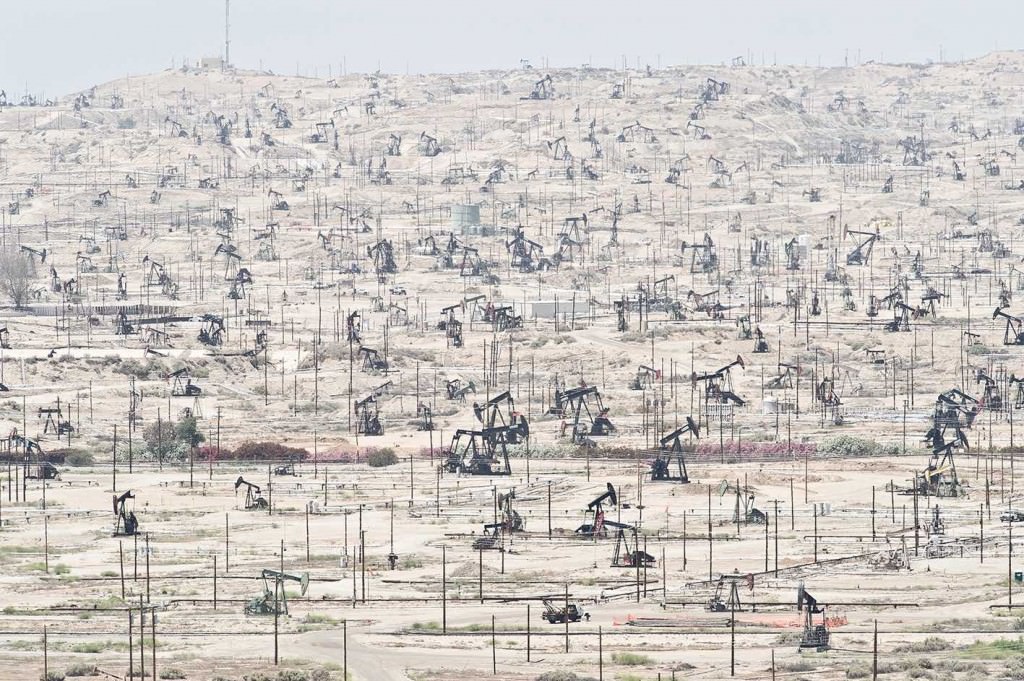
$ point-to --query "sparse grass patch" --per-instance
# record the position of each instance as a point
(13, 548)
(316, 618)
(82, 670)
(89, 647)
(861, 670)
(929, 645)
(22, 645)
(562, 675)
(998, 649)
(425, 626)
(628, 659)
(410, 562)
(795, 666)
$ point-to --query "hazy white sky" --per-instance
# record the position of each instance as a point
(58, 46)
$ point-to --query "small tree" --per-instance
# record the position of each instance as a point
(187, 432)
(160, 438)
(17, 273)
(381, 458)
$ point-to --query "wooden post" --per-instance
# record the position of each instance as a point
(766, 523)
(227, 543)
(277, 615)
(792, 507)
(444, 589)
(711, 545)
(494, 649)
(874, 662)
(214, 581)
(566, 618)
(142, 640)
(664, 574)
(917, 526)
(131, 646)
(636, 564)
(684, 540)
(600, 655)
(815, 533)
(46, 661)
(872, 513)
(549, 509)
(527, 632)
(147, 567)
(152, 635)
(344, 649)
(120, 552)
(732, 637)
(776, 522)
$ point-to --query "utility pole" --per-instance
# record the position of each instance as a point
(227, 34)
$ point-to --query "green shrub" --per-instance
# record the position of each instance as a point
(428, 626)
(91, 647)
(51, 676)
(292, 675)
(410, 562)
(631, 659)
(79, 458)
(82, 670)
(932, 644)
(562, 675)
(380, 458)
(172, 673)
(140, 369)
(849, 446)
(859, 671)
(268, 451)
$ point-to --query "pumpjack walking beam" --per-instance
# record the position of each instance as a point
(275, 601)
(1013, 334)
(593, 518)
(672, 448)
(254, 500)
(815, 636)
(126, 524)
